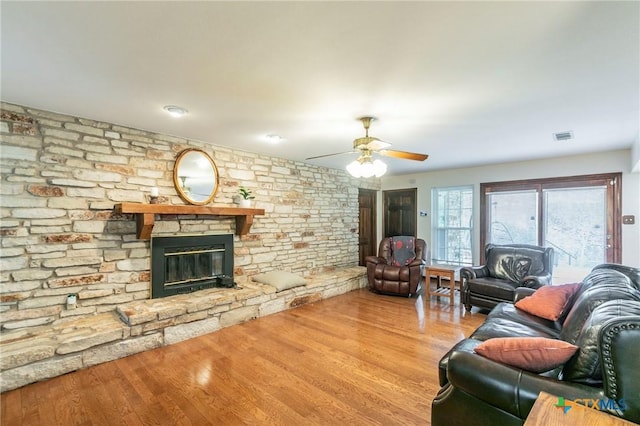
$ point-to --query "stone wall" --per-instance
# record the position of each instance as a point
(62, 175)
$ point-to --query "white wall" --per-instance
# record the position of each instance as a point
(635, 155)
(603, 162)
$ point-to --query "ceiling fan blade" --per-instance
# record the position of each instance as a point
(330, 155)
(403, 154)
(377, 145)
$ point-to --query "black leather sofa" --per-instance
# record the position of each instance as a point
(506, 268)
(603, 321)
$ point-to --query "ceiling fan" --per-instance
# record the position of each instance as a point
(366, 147)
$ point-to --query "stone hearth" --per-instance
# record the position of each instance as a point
(38, 353)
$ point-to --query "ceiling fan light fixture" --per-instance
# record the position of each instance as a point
(379, 168)
(354, 169)
(364, 167)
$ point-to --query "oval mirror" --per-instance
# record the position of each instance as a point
(195, 176)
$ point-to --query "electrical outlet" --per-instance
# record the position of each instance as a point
(628, 219)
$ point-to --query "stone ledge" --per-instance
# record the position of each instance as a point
(44, 352)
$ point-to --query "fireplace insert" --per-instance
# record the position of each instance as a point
(187, 263)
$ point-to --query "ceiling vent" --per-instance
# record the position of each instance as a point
(563, 136)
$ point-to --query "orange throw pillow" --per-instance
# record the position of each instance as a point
(550, 301)
(535, 354)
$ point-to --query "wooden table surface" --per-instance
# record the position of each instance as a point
(546, 412)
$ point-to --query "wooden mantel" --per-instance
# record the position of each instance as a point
(145, 215)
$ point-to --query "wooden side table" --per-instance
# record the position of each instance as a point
(546, 411)
(441, 271)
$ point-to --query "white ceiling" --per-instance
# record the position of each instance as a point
(468, 83)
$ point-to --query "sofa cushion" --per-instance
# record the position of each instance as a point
(630, 272)
(605, 277)
(510, 327)
(494, 288)
(504, 263)
(549, 302)
(281, 280)
(590, 299)
(586, 367)
(535, 354)
(511, 312)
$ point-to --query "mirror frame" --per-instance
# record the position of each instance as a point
(176, 179)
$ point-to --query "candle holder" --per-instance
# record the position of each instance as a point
(71, 301)
(153, 196)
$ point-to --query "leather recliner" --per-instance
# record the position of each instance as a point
(388, 278)
(506, 268)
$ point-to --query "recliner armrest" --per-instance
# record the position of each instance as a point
(375, 260)
(417, 262)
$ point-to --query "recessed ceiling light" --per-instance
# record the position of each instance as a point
(274, 138)
(175, 111)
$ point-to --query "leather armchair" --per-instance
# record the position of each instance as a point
(506, 268)
(386, 278)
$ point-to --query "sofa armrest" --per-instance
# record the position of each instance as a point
(536, 281)
(510, 389)
(618, 346)
(471, 272)
(522, 292)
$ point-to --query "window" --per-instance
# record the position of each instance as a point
(578, 216)
(451, 225)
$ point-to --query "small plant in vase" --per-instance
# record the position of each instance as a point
(245, 197)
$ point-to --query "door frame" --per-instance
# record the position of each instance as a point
(613, 181)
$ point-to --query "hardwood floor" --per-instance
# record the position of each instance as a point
(355, 359)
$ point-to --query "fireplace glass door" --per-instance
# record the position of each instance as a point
(185, 264)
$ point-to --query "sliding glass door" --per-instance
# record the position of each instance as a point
(577, 216)
(575, 226)
(513, 217)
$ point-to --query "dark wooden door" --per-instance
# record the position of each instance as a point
(399, 212)
(367, 239)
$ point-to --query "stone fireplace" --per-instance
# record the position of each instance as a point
(187, 263)
(60, 180)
